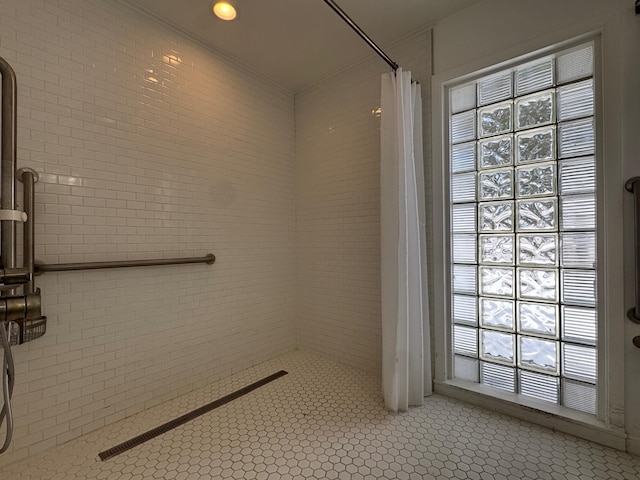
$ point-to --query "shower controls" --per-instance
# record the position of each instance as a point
(14, 276)
(19, 307)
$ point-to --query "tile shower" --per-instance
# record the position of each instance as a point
(148, 145)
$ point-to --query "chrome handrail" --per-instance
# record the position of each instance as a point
(41, 268)
(633, 185)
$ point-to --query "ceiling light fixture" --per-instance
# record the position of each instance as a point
(224, 11)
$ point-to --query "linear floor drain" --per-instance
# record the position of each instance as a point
(140, 439)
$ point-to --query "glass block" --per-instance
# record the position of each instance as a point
(579, 325)
(463, 157)
(536, 145)
(463, 127)
(464, 248)
(538, 284)
(578, 212)
(535, 110)
(575, 100)
(497, 346)
(463, 187)
(577, 175)
(495, 119)
(578, 249)
(536, 181)
(497, 313)
(578, 287)
(465, 309)
(534, 76)
(538, 354)
(465, 340)
(579, 396)
(538, 319)
(463, 218)
(494, 88)
(496, 249)
(466, 368)
(495, 184)
(496, 281)
(495, 152)
(495, 217)
(535, 215)
(463, 98)
(537, 249)
(576, 138)
(575, 63)
(579, 362)
(498, 376)
(464, 279)
(542, 387)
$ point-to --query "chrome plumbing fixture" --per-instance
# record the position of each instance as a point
(21, 317)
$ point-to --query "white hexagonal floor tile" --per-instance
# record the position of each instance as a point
(324, 421)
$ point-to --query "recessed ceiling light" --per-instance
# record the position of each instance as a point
(224, 11)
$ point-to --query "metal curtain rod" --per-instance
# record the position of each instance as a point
(67, 267)
(362, 35)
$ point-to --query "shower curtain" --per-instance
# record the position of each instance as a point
(406, 369)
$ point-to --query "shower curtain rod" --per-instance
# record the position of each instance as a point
(362, 35)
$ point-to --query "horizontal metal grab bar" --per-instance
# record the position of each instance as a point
(41, 268)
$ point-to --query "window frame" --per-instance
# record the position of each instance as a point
(608, 424)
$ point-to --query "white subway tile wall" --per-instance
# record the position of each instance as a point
(148, 145)
(338, 204)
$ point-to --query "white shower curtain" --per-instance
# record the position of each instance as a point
(406, 369)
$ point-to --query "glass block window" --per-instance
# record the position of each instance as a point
(523, 229)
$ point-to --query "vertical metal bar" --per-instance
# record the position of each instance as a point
(633, 186)
(28, 177)
(341, 13)
(8, 163)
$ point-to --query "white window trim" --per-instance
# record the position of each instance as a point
(608, 427)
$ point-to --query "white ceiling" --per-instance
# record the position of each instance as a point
(299, 42)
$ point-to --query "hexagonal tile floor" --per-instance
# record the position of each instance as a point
(325, 421)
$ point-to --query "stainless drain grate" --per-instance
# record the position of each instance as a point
(140, 439)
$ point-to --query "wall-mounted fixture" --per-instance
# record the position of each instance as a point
(20, 315)
(637, 7)
(225, 11)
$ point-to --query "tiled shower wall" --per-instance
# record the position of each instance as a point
(148, 145)
(338, 204)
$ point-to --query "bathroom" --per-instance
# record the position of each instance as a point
(150, 144)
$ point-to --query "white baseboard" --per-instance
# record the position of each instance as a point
(633, 446)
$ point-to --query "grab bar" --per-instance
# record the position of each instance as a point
(28, 177)
(41, 268)
(633, 186)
